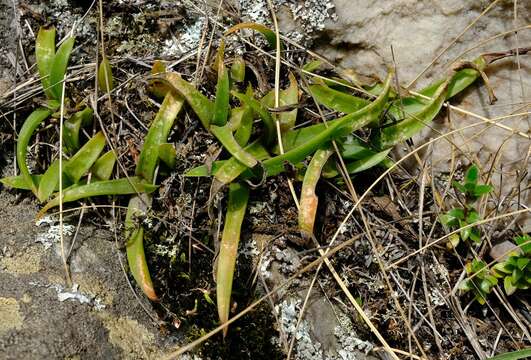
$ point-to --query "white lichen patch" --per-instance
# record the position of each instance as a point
(73, 294)
(188, 39)
(347, 341)
(309, 15)
(305, 348)
(53, 234)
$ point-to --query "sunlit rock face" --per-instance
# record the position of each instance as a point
(361, 37)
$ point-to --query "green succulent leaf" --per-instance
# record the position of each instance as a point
(72, 127)
(264, 30)
(131, 185)
(168, 155)
(59, 66)
(24, 136)
(105, 78)
(102, 168)
(82, 161)
(45, 53)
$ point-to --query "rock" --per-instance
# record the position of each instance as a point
(501, 251)
(361, 40)
(41, 318)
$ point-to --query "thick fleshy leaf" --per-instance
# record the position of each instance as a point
(44, 53)
(202, 106)
(261, 111)
(241, 123)
(79, 164)
(59, 65)
(237, 204)
(134, 233)
(342, 126)
(19, 182)
(221, 103)
(158, 88)
(168, 155)
(232, 168)
(336, 128)
(337, 100)
(132, 185)
(264, 30)
(309, 200)
(237, 70)
(105, 78)
(49, 181)
(102, 168)
(72, 127)
(158, 134)
(24, 136)
(288, 97)
(367, 162)
(224, 135)
(460, 80)
(389, 136)
(203, 170)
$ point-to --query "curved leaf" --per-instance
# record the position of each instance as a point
(105, 78)
(134, 234)
(102, 168)
(132, 185)
(82, 161)
(238, 196)
(24, 136)
(44, 53)
(158, 134)
(264, 30)
(59, 65)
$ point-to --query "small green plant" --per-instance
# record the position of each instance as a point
(515, 270)
(469, 192)
(480, 280)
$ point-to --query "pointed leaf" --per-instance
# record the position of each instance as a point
(391, 135)
(337, 100)
(158, 134)
(134, 234)
(309, 200)
(264, 30)
(82, 161)
(238, 197)
(44, 53)
(102, 168)
(224, 135)
(24, 136)
(168, 155)
(49, 181)
(59, 65)
(202, 106)
(105, 78)
(132, 185)
(221, 103)
(72, 127)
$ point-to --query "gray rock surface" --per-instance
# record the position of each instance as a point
(418, 31)
(44, 319)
